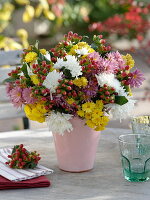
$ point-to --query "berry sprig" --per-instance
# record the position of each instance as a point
(73, 37)
(99, 44)
(21, 158)
(107, 94)
(123, 75)
(65, 87)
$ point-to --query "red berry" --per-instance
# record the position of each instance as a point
(111, 101)
(64, 93)
(43, 78)
(69, 88)
(43, 99)
(45, 71)
(53, 59)
(21, 146)
(107, 93)
(58, 91)
(63, 85)
(127, 67)
(70, 83)
(36, 91)
(17, 81)
(124, 74)
(34, 66)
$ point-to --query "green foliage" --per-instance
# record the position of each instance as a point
(121, 100)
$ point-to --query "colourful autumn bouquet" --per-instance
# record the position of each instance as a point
(74, 79)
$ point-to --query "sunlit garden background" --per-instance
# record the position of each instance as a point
(125, 24)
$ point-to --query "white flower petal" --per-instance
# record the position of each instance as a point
(59, 123)
(111, 81)
(51, 81)
(71, 64)
(83, 51)
(121, 111)
(48, 56)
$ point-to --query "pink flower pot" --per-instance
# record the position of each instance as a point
(76, 150)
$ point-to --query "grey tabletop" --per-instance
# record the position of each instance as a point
(104, 182)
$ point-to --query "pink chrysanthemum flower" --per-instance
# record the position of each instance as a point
(136, 78)
(27, 96)
(116, 58)
(16, 96)
(94, 56)
(9, 87)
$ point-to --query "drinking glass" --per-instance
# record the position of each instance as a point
(135, 156)
(141, 124)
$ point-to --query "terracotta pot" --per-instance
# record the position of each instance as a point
(76, 150)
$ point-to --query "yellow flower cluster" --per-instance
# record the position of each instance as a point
(80, 82)
(70, 100)
(43, 51)
(94, 115)
(80, 45)
(34, 79)
(35, 112)
(129, 60)
(30, 57)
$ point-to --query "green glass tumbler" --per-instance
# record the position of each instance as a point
(141, 124)
(135, 156)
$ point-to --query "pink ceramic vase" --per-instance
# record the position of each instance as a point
(76, 150)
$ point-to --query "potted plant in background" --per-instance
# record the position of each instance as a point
(76, 88)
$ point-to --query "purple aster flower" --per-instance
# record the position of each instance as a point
(136, 78)
(27, 96)
(16, 96)
(90, 90)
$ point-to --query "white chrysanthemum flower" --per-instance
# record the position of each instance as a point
(48, 56)
(59, 122)
(111, 81)
(51, 81)
(83, 51)
(71, 64)
(29, 70)
(59, 64)
(121, 111)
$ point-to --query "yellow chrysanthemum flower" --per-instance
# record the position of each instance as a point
(99, 128)
(35, 79)
(80, 45)
(90, 124)
(80, 113)
(35, 112)
(99, 104)
(30, 57)
(70, 100)
(43, 51)
(80, 82)
(88, 107)
(97, 113)
(129, 60)
(88, 115)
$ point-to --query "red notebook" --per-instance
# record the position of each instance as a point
(41, 181)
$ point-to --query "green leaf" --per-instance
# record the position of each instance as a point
(9, 80)
(24, 70)
(121, 100)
